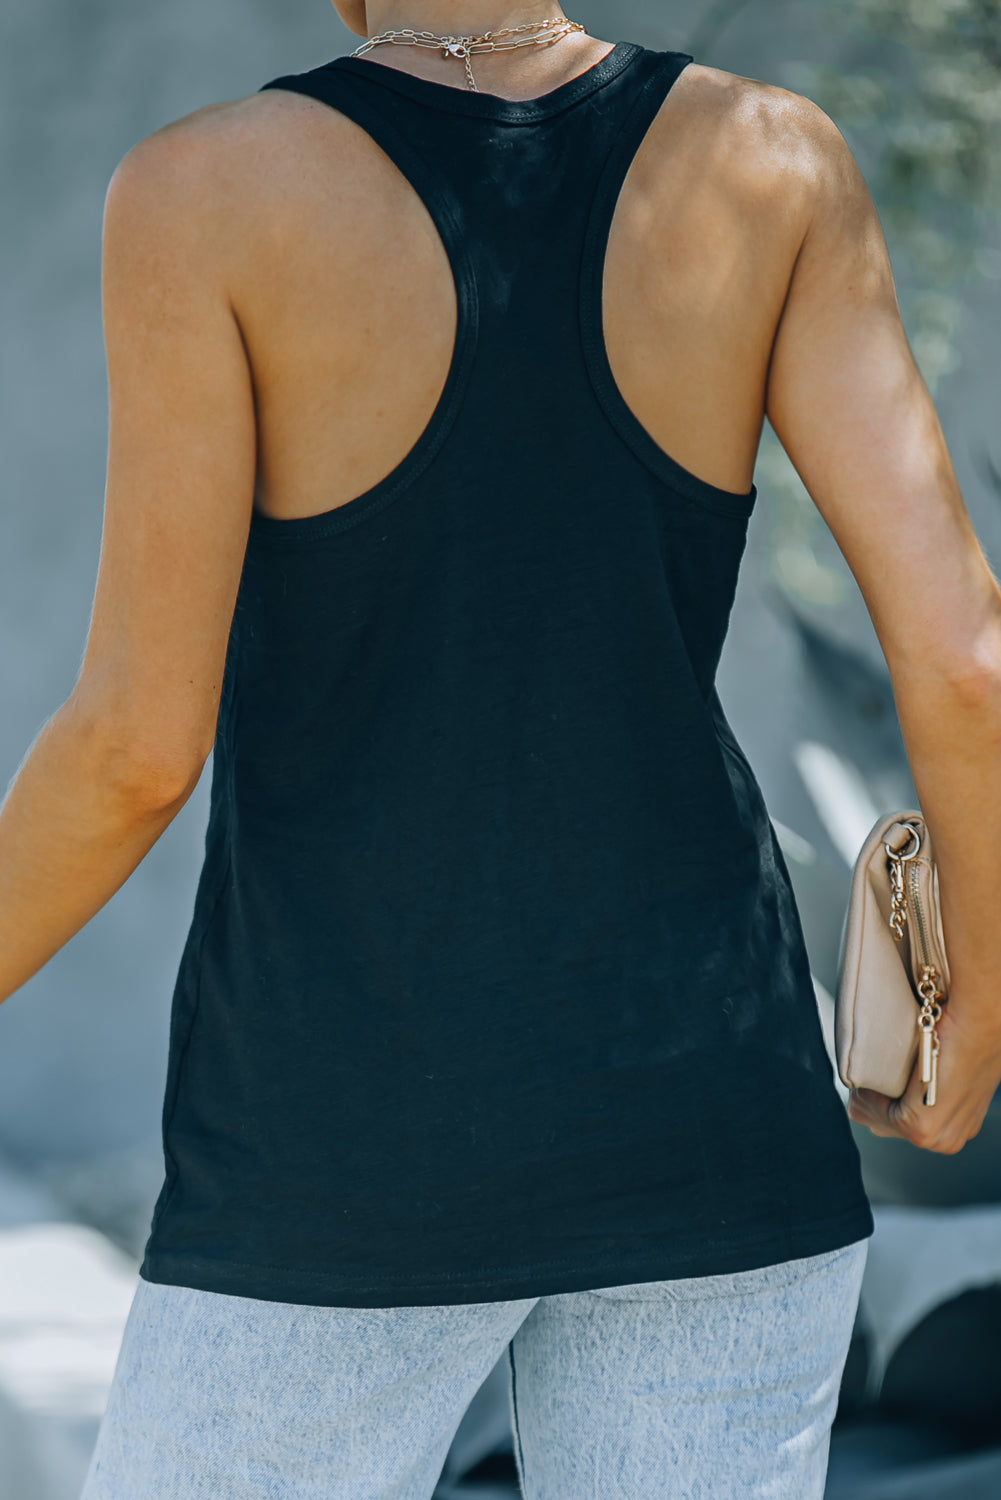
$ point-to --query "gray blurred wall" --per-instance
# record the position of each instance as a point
(83, 1046)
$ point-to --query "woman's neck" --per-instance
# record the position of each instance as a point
(524, 73)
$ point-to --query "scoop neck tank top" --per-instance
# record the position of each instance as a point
(495, 986)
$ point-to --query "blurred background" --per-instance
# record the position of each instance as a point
(915, 86)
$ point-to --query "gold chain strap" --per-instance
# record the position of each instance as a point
(898, 900)
(462, 48)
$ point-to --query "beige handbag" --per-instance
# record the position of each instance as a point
(893, 976)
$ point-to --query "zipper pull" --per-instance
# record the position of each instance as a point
(931, 1093)
(928, 1040)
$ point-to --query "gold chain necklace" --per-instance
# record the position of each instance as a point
(464, 47)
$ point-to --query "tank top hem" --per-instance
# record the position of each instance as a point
(702, 1257)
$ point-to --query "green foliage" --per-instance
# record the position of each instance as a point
(925, 99)
(918, 96)
(946, 130)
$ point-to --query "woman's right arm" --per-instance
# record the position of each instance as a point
(849, 405)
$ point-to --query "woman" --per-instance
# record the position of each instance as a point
(437, 378)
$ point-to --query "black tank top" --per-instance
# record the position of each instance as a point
(495, 986)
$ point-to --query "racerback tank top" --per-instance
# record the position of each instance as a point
(495, 986)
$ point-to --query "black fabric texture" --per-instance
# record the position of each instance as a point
(495, 985)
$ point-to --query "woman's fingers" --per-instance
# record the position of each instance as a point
(867, 1107)
(967, 1079)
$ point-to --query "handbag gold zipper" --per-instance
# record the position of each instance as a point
(930, 993)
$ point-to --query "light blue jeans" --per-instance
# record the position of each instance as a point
(709, 1388)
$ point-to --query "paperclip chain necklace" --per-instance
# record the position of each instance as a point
(464, 47)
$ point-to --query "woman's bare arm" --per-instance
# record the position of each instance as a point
(855, 416)
(117, 761)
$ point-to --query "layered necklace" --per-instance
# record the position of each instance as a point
(463, 48)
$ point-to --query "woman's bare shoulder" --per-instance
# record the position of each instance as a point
(750, 104)
(234, 145)
(764, 135)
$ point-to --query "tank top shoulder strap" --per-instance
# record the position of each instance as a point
(339, 88)
(631, 128)
(627, 127)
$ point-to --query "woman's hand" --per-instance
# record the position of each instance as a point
(969, 1071)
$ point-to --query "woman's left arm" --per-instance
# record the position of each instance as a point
(113, 766)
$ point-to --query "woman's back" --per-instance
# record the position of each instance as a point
(494, 956)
